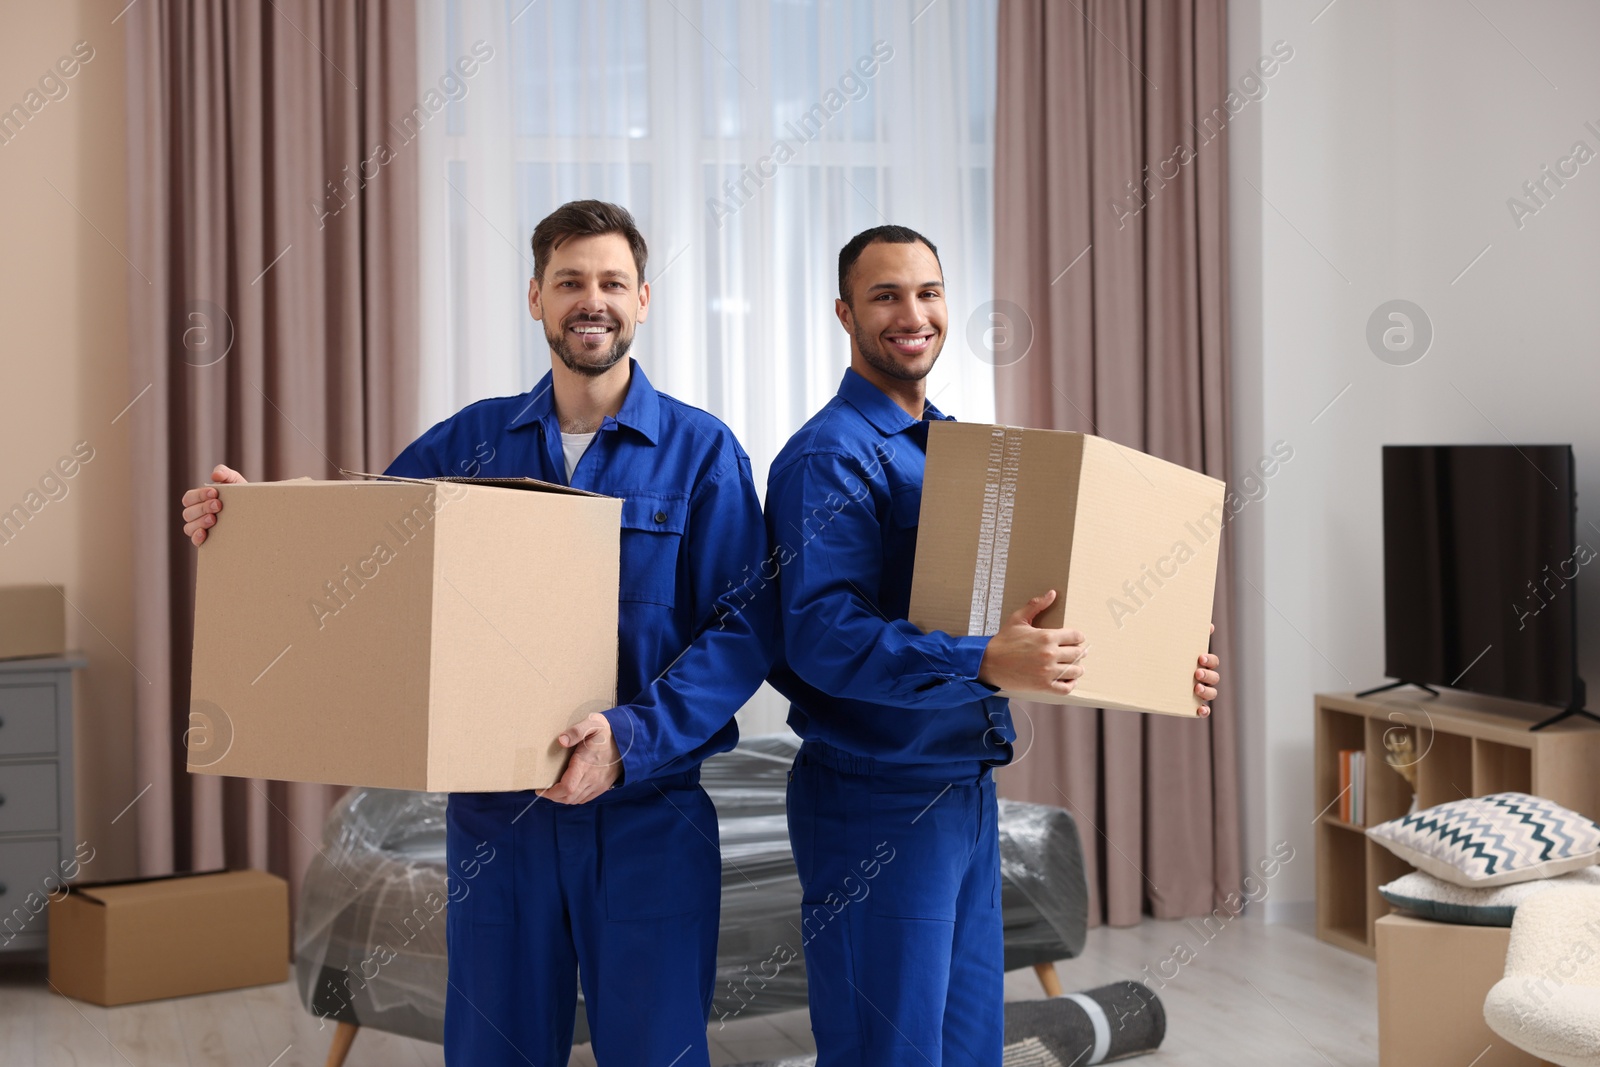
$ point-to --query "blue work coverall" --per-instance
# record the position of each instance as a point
(891, 800)
(625, 890)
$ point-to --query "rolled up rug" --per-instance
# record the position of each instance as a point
(1096, 1026)
(1109, 1023)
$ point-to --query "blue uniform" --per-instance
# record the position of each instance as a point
(625, 890)
(891, 801)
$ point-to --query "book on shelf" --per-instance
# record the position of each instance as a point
(1352, 786)
(1358, 788)
(1344, 784)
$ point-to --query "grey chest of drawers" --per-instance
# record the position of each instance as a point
(37, 843)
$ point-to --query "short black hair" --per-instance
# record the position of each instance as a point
(585, 218)
(894, 235)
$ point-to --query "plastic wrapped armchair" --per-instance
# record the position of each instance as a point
(1548, 1004)
(370, 937)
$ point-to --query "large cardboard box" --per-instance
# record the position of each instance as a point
(125, 942)
(1432, 981)
(400, 633)
(1128, 541)
(33, 621)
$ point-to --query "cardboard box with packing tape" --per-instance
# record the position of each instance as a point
(1128, 541)
(429, 635)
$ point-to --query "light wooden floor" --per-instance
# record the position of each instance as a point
(1256, 994)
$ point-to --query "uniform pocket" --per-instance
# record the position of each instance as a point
(658, 855)
(923, 833)
(652, 536)
(798, 813)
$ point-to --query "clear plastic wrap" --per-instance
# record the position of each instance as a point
(760, 957)
(369, 933)
(1044, 895)
(370, 939)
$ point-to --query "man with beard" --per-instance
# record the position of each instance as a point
(893, 789)
(612, 874)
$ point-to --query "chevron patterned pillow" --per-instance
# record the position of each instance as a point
(1499, 839)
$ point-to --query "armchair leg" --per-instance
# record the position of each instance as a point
(343, 1036)
(1047, 978)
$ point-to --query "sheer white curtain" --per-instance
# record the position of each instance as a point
(751, 139)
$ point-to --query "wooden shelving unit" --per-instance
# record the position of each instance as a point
(1468, 747)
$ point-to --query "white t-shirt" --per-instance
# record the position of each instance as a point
(574, 445)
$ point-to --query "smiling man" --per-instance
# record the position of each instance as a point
(892, 809)
(613, 874)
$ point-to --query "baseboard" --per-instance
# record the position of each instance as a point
(1301, 913)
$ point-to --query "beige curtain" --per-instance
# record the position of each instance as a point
(273, 224)
(1123, 273)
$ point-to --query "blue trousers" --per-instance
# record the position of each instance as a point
(900, 880)
(624, 892)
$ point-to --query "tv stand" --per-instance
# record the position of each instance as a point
(1396, 685)
(1459, 748)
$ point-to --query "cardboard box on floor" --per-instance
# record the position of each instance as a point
(1432, 981)
(1128, 541)
(429, 635)
(126, 942)
(33, 621)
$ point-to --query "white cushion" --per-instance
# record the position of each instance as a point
(1548, 1003)
(1559, 1023)
(1434, 898)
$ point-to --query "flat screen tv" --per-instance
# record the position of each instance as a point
(1481, 562)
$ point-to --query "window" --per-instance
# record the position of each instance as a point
(750, 140)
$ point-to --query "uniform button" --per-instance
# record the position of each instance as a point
(661, 516)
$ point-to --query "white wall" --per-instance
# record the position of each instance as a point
(1382, 158)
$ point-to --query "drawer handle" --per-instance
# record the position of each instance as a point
(2, 889)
